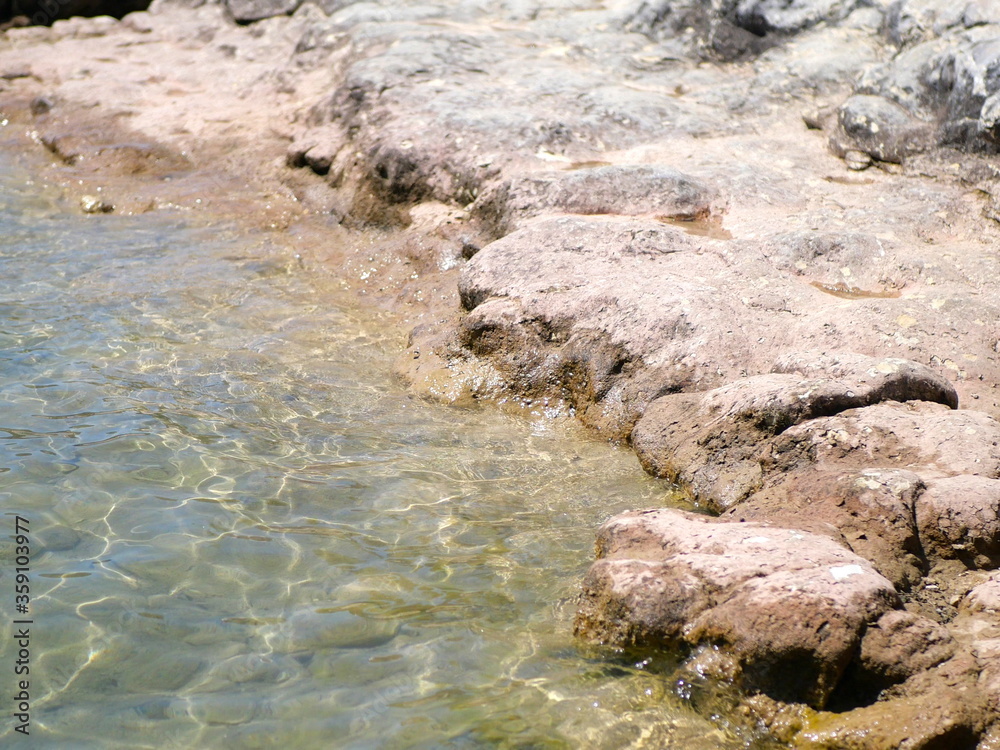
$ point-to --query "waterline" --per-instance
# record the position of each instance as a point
(248, 535)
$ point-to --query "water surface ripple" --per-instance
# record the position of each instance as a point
(247, 535)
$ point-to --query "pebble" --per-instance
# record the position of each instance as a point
(92, 204)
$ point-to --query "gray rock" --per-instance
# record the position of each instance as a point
(941, 89)
(911, 21)
(627, 190)
(705, 30)
(790, 16)
(881, 128)
(733, 29)
(980, 13)
(247, 11)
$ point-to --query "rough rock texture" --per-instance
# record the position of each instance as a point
(905, 485)
(861, 454)
(789, 607)
(714, 443)
(939, 708)
(959, 517)
(881, 128)
(682, 314)
(245, 11)
(900, 645)
(912, 435)
(623, 190)
(940, 87)
(757, 237)
(869, 511)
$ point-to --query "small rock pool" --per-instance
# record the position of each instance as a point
(245, 534)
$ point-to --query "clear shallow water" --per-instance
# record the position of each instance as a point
(245, 534)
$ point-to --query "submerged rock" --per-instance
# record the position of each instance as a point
(92, 204)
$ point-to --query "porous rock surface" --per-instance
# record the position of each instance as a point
(789, 608)
(754, 239)
(713, 442)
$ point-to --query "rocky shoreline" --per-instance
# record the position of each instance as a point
(754, 240)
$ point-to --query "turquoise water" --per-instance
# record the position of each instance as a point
(245, 534)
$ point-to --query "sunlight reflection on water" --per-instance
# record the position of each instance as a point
(247, 535)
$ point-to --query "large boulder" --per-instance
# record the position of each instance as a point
(607, 313)
(788, 609)
(870, 453)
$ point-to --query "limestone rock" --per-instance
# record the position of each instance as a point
(788, 608)
(245, 11)
(939, 89)
(959, 517)
(880, 128)
(921, 435)
(627, 190)
(869, 511)
(714, 443)
(762, 16)
(900, 645)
